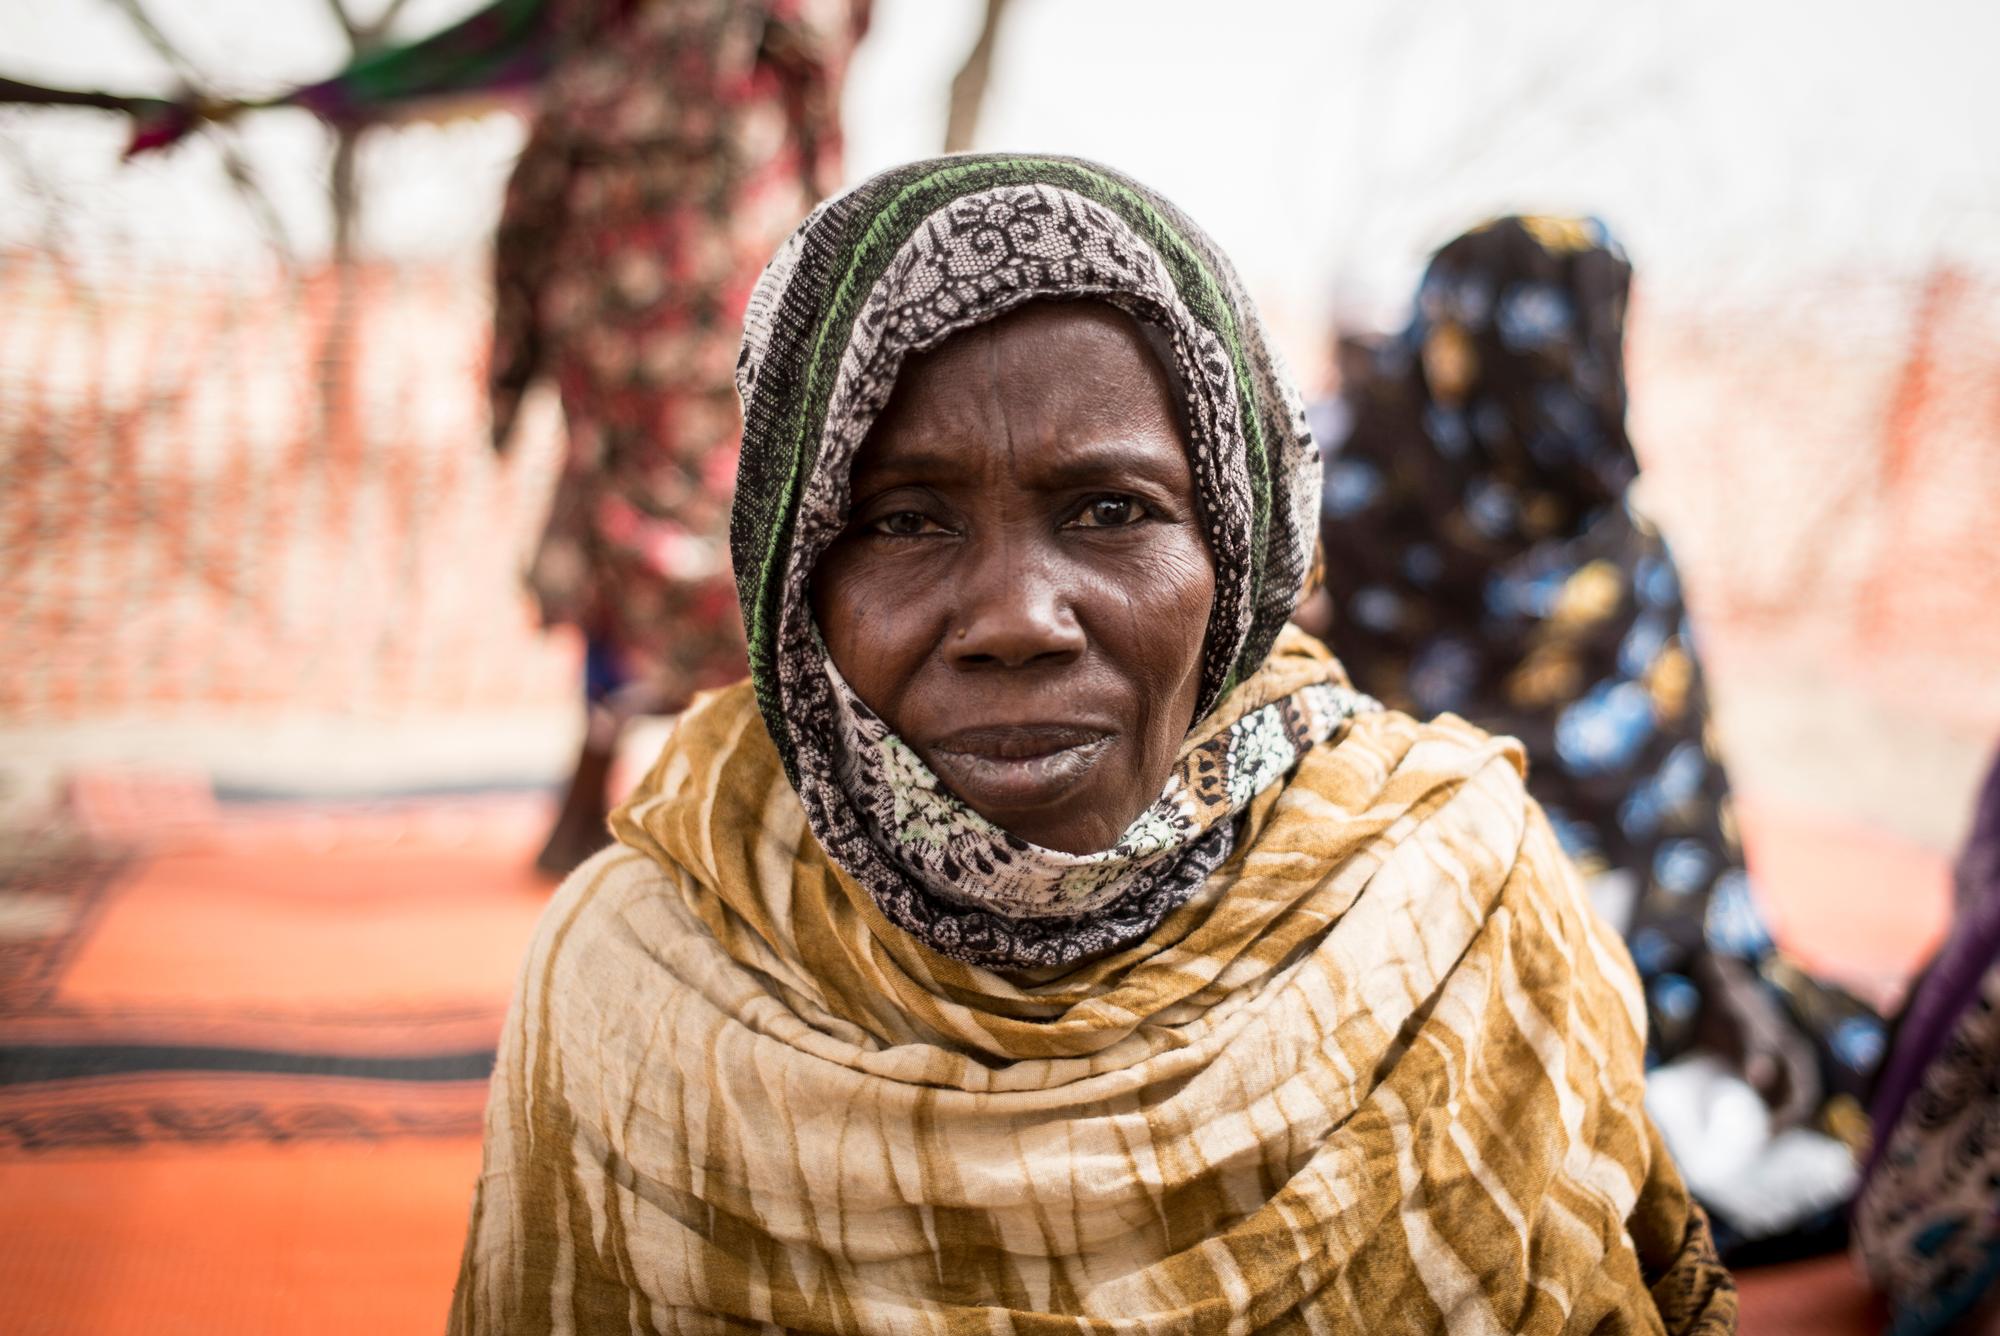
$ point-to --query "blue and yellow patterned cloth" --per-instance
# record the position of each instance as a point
(1482, 559)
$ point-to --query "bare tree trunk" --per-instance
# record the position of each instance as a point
(336, 354)
(341, 192)
(968, 86)
(338, 420)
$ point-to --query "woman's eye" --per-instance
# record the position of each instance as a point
(1111, 512)
(905, 524)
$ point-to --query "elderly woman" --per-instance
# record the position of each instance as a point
(1046, 938)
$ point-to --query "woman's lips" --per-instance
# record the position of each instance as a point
(1017, 767)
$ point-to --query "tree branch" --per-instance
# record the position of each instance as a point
(373, 33)
(237, 168)
(135, 10)
(234, 165)
(348, 24)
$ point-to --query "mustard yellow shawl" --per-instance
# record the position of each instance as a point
(1382, 1073)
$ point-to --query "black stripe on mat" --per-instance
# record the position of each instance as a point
(23, 1064)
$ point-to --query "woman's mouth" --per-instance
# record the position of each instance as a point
(1017, 767)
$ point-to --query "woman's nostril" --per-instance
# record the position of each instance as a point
(1017, 639)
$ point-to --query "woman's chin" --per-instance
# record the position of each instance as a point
(1046, 799)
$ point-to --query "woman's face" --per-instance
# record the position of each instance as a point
(1023, 588)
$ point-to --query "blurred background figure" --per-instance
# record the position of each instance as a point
(676, 144)
(673, 144)
(1484, 557)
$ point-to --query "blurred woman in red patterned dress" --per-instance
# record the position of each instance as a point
(677, 143)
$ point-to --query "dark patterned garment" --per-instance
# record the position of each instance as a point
(1482, 560)
(677, 143)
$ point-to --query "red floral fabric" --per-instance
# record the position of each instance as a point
(677, 144)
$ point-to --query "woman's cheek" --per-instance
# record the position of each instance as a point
(1160, 585)
(876, 621)
(1153, 604)
(1185, 575)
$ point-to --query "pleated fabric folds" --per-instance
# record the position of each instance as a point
(1381, 1072)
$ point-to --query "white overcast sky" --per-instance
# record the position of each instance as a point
(1328, 144)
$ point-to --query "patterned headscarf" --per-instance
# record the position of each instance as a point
(895, 267)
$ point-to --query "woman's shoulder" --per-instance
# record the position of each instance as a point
(631, 899)
(1403, 751)
(695, 840)
(1384, 767)
(715, 806)
(587, 944)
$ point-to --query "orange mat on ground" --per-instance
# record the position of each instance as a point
(241, 1079)
(345, 1236)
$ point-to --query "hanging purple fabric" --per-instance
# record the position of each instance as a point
(1951, 982)
(1926, 1223)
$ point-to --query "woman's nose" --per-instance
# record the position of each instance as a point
(1013, 612)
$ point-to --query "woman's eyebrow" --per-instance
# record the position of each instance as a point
(1113, 460)
(910, 462)
(1100, 461)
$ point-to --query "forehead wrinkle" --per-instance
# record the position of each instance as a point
(1088, 383)
(1008, 448)
(934, 416)
(1016, 361)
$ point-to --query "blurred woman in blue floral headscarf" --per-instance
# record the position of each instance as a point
(1481, 559)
